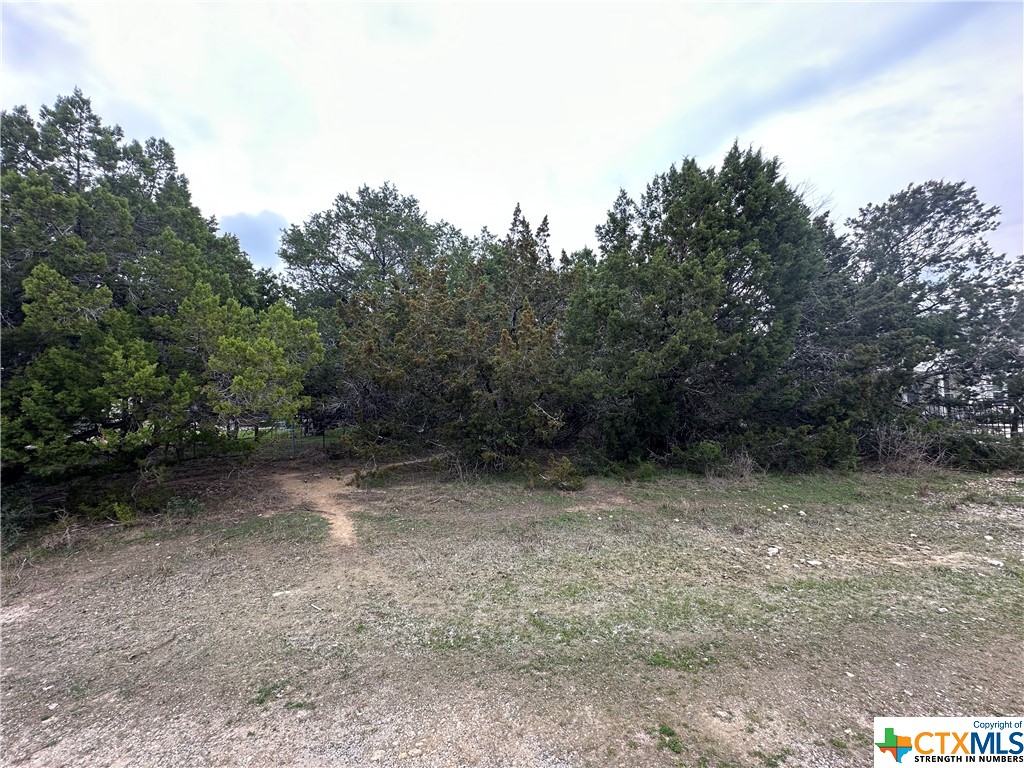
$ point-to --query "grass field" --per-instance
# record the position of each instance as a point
(677, 621)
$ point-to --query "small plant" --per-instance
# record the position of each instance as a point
(705, 458)
(125, 513)
(669, 739)
(266, 692)
(770, 760)
(686, 660)
(60, 532)
(561, 475)
(179, 507)
(300, 705)
(16, 516)
(838, 743)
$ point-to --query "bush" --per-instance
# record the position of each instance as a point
(964, 449)
(125, 513)
(561, 475)
(705, 457)
(798, 449)
(179, 507)
(17, 515)
(905, 450)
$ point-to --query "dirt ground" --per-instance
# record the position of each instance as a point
(299, 620)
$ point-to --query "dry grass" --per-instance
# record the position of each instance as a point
(681, 621)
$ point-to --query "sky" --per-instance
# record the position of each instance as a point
(275, 109)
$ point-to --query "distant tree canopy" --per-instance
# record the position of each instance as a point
(719, 315)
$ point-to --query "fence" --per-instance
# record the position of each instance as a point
(992, 416)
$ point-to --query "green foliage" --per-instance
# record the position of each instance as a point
(361, 243)
(266, 692)
(964, 449)
(460, 361)
(669, 739)
(705, 457)
(718, 319)
(561, 475)
(17, 515)
(129, 324)
(178, 506)
(799, 449)
(124, 513)
(696, 300)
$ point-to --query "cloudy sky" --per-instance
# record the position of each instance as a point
(274, 109)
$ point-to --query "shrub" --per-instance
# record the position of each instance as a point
(798, 449)
(125, 513)
(705, 457)
(17, 515)
(905, 450)
(562, 475)
(180, 507)
(964, 449)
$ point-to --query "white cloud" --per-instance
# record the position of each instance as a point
(474, 107)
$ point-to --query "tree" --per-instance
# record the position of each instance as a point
(925, 249)
(360, 243)
(100, 252)
(74, 142)
(19, 138)
(696, 300)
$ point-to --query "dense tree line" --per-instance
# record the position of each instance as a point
(720, 316)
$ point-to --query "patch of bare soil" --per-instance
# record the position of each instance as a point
(303, 621)
(326, 494)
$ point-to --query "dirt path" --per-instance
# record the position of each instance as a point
(334, 496)
(330, 496)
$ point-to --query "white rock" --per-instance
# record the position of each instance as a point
(415, 752)
(814, 562)
(996, 563)
(988, 538)
(773, 551)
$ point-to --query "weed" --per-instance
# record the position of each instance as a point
(300, 705)
(560, 475)
(669, 739)
(266, 692)
(179, 507)
(770, 760)
(125, 513)
(686, 660)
